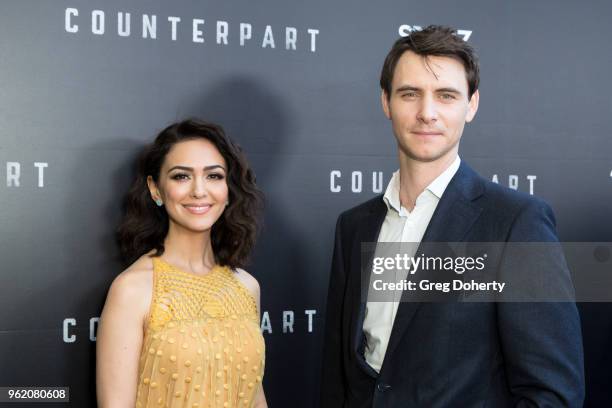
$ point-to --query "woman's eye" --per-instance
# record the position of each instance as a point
(180, 176)
(216, 176)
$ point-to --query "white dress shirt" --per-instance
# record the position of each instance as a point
(400, 225)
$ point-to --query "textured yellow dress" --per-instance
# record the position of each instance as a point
(202, 346)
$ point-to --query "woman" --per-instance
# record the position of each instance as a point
(180, 327)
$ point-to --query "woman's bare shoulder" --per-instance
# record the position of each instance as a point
(248, 281)
(135, 283)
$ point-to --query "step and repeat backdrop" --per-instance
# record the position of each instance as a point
(84, 85)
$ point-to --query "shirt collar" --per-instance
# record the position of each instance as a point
(436, 187)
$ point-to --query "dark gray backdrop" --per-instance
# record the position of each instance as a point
(83, 104)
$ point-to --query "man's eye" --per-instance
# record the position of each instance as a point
(409, 95)
(448, 96)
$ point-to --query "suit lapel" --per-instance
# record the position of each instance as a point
(450, 222)
(368, 232)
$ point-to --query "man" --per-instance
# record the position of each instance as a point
(435, 354)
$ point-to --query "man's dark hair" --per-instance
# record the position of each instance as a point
(433, 40)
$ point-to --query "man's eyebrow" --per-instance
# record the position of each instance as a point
(449, 90)
(405, 88)
(207, 168)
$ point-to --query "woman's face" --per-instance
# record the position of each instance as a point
(192, 185)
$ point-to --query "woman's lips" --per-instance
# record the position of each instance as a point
(198, 209)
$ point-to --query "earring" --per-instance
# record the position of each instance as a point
(226, 203)
(159, 202)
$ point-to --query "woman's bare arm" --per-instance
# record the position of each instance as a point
(119, 339)
(253, 286)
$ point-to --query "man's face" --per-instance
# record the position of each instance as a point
(429, 106)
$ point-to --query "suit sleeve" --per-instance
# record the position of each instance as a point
(333, 380)
(541, 341)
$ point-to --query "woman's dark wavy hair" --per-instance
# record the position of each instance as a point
(145, 225)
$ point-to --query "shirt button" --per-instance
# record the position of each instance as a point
(383, 387)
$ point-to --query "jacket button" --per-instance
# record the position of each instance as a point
(383, 387)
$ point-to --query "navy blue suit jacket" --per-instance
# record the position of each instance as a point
(454, 354)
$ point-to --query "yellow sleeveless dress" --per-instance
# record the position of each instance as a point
(202, 345)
